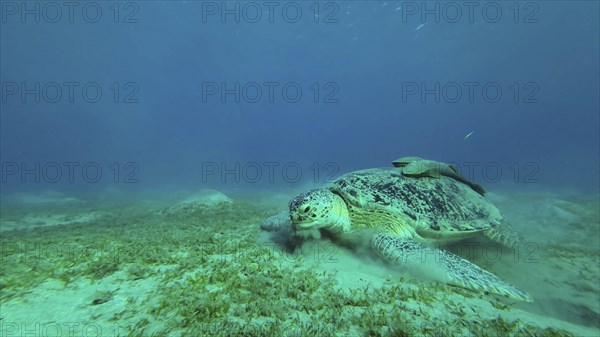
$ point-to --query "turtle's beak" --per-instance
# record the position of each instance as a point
(303, 225)
(301, 222)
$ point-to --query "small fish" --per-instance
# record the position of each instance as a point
(420, 26)
(469, 135)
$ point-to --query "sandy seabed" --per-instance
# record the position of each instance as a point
(200, 265)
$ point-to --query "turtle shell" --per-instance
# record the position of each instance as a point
(434, 204)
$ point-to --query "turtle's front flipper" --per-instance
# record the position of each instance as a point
(459, 271)
(277, 222)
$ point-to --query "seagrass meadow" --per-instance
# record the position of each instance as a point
(206, 268)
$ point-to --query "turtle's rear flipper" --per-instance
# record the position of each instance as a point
(458, 271)
(277, 222)
(504, 234)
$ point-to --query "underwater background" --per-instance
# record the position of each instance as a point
(114, 113)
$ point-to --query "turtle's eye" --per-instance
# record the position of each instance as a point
(306, 209)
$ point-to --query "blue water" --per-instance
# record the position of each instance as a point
(362, 58)
(162, 102)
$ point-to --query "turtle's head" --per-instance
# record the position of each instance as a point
(320, 208)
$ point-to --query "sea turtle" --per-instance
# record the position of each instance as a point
(419, 167)
(401, 218)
